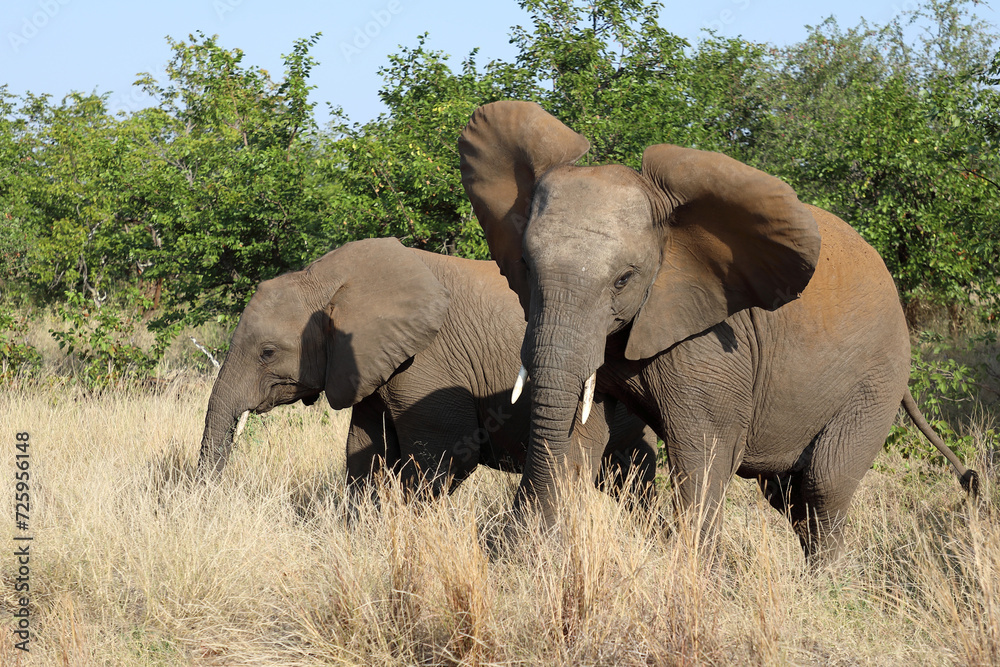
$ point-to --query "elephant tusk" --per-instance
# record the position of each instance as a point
(588, 397)
(240, 424)
(522, 375)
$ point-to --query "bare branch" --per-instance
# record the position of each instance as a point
(205, 351)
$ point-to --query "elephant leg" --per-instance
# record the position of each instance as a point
(700, 472)
(819, 520)
(628, 468)
(372, 446)
(817, 515)
(816, 498)
(440, 441)
(777, 490)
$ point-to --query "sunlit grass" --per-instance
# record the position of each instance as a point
(133, 564)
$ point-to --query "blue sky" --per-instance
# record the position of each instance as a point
(55, 46)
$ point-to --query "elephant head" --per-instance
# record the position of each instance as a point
(342, 325)
(661, 255)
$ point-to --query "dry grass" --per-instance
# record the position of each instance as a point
(132, 564)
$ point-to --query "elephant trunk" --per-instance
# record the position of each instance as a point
(561, 353)
(554, 397)
(225, 406)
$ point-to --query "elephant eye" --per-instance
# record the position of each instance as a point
(267, 354)
(623, 279)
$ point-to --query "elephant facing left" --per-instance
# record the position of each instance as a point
(423, 347)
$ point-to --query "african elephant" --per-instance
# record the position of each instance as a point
(757, 335)
(423, 346)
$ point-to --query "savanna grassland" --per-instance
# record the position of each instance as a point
(132, 563)
(125, 234)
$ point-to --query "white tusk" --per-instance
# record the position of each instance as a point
(522, 375)
(240, 424)
(588, 397)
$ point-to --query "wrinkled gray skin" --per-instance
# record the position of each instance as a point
(425, 349)
(758, 336)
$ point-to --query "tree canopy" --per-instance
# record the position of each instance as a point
(227, 180)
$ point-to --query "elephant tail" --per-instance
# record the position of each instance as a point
(968, 477)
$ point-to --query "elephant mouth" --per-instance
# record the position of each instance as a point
(286, 393)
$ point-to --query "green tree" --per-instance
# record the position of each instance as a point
(225, 184)
(609, 70)
(880, 130)
(986, 114)
(225, 181)
(398, 174)
(17, 233)
(606, 69)
(71, 193)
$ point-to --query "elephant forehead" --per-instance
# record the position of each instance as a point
(592, 197)
(577, 211)
(273, 307)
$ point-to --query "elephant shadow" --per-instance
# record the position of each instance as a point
(433, 440)
(418, 419)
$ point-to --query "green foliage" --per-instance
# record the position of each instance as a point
(398, 174)
(254, 431)
(608, 70)
(985, 109)
(224, 188)
(226, 180)
(18, 358)
(70, 192)
(944, 388)
(16, 235)
(888, 132)
(938, 381)
(102, 340)
(194, 200)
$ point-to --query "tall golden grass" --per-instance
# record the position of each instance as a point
(134, 564)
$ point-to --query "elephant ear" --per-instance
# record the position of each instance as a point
(504, 149)
(389, 307)
(733, 237)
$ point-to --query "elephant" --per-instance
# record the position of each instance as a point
(422, 346)
(758, 336)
